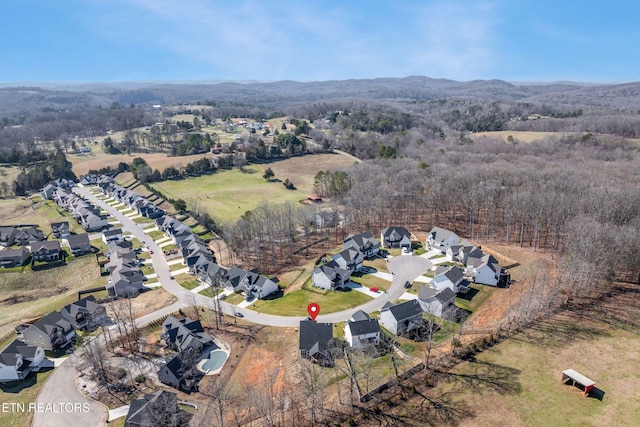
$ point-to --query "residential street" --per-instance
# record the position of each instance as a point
(61, 388)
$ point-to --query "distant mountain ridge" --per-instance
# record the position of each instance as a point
(26, 96)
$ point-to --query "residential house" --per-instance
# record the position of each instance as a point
(180, 372)
(89, 179)
(47, 251)
(213, 275)
(79, 244)
(92, 222)
(28, 235)
(363, 242)
(460, 253)
(401, 318)
(84, 314)
(436, 302)
(330, 276)
(122, 286)
(60, 230)
(47, 191)
(51, 332)
(485, 270)
(396, 237)
(361, 330)
(18, 359)
(349, 259)
(316, 341)
(157, 409)
(251, 283)
(14, 257)
(113, 235)
(180, 334)
(440, 239)
(450, 277)
(8, 236)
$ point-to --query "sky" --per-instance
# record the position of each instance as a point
(267, 40)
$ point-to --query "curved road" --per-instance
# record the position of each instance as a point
(61, 387)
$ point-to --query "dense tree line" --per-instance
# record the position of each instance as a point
(35, 177)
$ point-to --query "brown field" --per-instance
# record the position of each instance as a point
(520, 136)
(83, 163)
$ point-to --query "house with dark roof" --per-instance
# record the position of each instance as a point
(361, 330)
(18, 359)
(47, 191)
(485, 270)
(349, 259)
(28, 235)
(363, 242)
(330, 276)
(113, 235)
(60, 229)
(316, 341)
(124, 286)
(251, 283)
(401, 318)
(156, 409)
(8, 236)
(14, 257)
(51, 332)
(79, 244)
(181, 372)
(436, 302)
(440, 239)
(180, 334)
(47, 251)
(396, 237)
(460, 253)
(91, 221)
(84, 314)
(451, 277)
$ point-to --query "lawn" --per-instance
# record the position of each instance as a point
(156, 234)
(475, 297)
(230, 193)
(370, 281)
(42, 213)
(295, 303)
(22, 394)
(190, 284)
(518, 380)
(29, 294)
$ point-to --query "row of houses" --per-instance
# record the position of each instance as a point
(88, 215)
(55, 330)
(480, 267)
(125, 277)
(134, 201)
(21, 236)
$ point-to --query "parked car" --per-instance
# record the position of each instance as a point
(151, 252)
(171, 277)
(238, 314)
(407, 284)
(374, 290)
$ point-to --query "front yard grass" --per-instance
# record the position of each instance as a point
(370, 281)
(156, 234)
(190, 284)
(295, 303)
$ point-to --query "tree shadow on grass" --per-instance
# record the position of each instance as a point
(485, 376)
(560, 332)
(469, 295)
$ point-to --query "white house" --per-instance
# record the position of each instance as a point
(92, 222)
(361, 330)
(401, 318)
(113, 235)
(441, 239)
(435, 302)
(18, 359)
(330, 276)
(349, 259)
(485, 270)
(449, 277)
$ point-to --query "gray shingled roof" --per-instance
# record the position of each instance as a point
(405, 310)
(362, 327)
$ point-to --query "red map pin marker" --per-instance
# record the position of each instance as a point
(313, 309)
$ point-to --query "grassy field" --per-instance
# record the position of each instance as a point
(229, 194)
(42, 213)
(517, 382)
(295, 303)
(30, 294)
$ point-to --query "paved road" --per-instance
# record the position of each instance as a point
(59, 391)
(61, 388)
